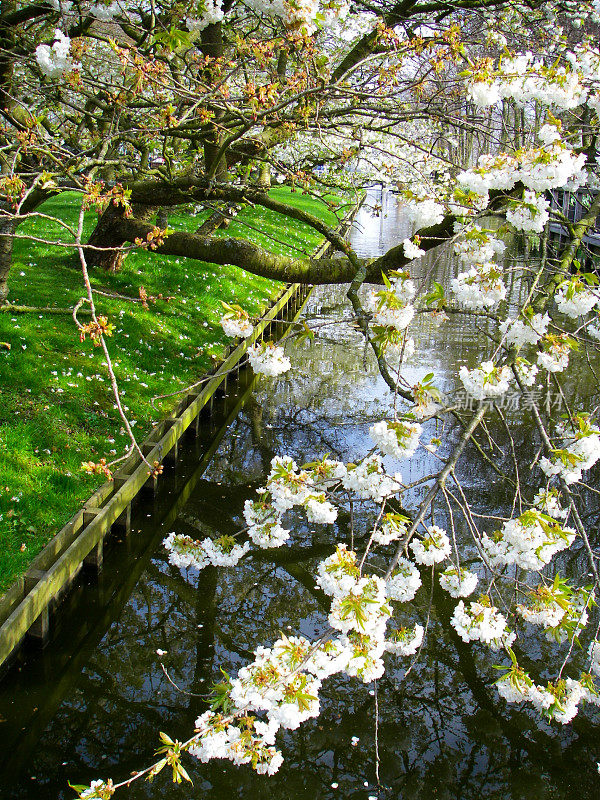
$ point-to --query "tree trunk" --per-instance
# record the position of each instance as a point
(162, 218)
(264, 176)
(106, 235)
(215, 163)
(7, 232)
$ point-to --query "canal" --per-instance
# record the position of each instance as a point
(92, 703)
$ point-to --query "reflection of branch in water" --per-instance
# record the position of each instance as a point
(204, 635)
(178, 688)
(231, 644)
(467, 667)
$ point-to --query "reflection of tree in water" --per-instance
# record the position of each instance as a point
(442, 729)
(479, 743)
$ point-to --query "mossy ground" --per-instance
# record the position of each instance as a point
(56, 407)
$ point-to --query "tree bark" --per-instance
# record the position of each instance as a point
(162, 218)
(8, 228)
(264, 176)
(215, 163)
(7, 232)
(254, 259)
(107, 236)
(211, 224)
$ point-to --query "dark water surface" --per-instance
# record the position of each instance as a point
(92, 703)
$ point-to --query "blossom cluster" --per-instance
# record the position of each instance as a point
(302, 15)
(55, 60)
(98, 790)
(476, 245)
(559, 609)
(405, 641)
(359, 610)
(481, 621)
(236, 322)
(530, 541)
(538, 169)
(404, 582)
(481, 285)
(559, 701)
(412, 250)
(185, 552)
(399, 438)
(486, 381)
(555, 351)
(458, 581)
(392, 307)
(368, 480)
(524, 79)
(432, 548)
(529, 214)
(423, 211)
(580, 451)
(548, 502)
(575, 298)
(211, 13)
(392, 528)
(106, 12)
(288, 486)
(268, 359)
(526, 371)
(594, 655)
(528, 329)
(264, 524)
(280, 688)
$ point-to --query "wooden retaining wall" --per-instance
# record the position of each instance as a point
(25, 608)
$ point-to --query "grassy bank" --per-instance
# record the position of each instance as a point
(57, 409)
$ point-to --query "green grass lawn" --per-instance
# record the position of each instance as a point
(56, 406)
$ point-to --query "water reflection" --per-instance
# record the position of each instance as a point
(442, 732)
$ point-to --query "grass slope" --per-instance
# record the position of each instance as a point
(56, 407)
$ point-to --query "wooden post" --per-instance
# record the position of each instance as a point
(122, 525)
(40, 629)
(170, 459)
(95, 558)
(89, 514)
(151, 486)
(119, 480)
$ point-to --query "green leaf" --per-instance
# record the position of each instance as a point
(173, 39)
(183, 774)
(436, 295)
(78, 787)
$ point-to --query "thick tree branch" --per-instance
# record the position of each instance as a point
(244, 254)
